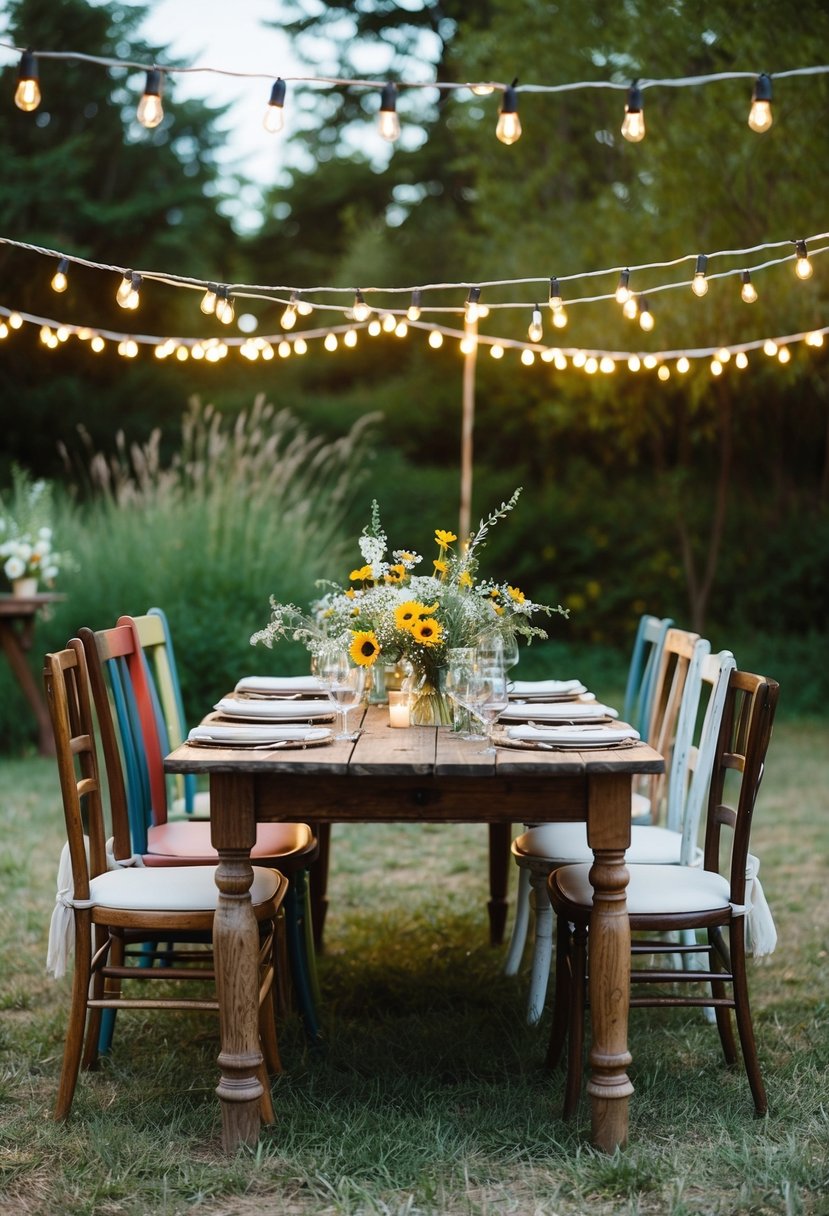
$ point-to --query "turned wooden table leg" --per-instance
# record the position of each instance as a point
(499, 862)
(235, 948)
(609, 1087)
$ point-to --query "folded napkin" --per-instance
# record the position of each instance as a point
(540, 688)
(266, 711)
(278, 685)
(228, 735)
(573, 736)
(561, 711)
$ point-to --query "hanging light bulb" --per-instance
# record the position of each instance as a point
(748, 291)
(579, 358)
(288, 318)
(723, 354)
(741, 360)
(607, 365)
(630, 308)
(633, 124)
(59, 280)
(150, 110)
(560, 318)
(300, 348)
(557, 305)
(401, 329)
(436, 339)
(389, 122)
(374, 328)
(770, 347)
(784, 354)
(350, 338)
(481, 89)
(535, 331)
(682, 365)
(802, 267)
(650, 362)
(389, 323)
(508, 129)
(699, 283)
(303, 307)
(127, 293)
(622, 288)
(330, 342)
(208, 300)
(224, 306)
(527, 357)
(634, 363)
(27, 93)
(646, 321)
(471, 310)
(496, 350)
(97, 344)
(760, 116)
(274, 117)
(548, 354)
(664, 372)
(360, 310)
(413, 311)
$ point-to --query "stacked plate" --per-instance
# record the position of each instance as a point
(568, 738)
(258, 737)
(239, 709)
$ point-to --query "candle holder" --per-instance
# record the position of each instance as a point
(398, 708)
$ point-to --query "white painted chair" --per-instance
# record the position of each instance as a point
(689, 754)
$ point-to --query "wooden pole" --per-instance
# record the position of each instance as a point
(467, 427)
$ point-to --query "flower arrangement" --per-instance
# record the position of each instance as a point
(390, 613)
(26, 536)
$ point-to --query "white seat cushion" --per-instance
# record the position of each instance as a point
(561, 843)
(200, 807)
(654, 889)
(640, 806)
(170, 843)
(171, 889)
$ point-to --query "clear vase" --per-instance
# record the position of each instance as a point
(24, 588)
(429, 705)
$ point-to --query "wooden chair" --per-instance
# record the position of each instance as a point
(122, 691)
(124, 904)
(722, 894)
(640, 689)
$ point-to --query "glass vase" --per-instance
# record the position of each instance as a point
(429, 705)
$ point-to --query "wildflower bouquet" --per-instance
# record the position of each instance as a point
(26, 537)
(392, 614)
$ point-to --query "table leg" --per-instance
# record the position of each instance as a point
(235, 948)
(500, 835)
(609, 1087)
(14, 646)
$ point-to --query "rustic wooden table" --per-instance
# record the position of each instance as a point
(17, 622)
(418, 774)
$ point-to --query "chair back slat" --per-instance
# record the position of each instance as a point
(644, 664)
(157, 644)
(677, 679)
(693, 784)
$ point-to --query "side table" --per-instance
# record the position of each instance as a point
(17, 622)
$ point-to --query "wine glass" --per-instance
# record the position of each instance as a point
(488, 692)
(345, 686)
(460, 670)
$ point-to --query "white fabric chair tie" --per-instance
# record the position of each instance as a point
(61, 938)
(761, 933)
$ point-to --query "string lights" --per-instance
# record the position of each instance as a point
(633, 124)
(274, 117)
(389, 121)
(508, 128)
(150, 111)
(27, 93)
(760, 116)
(699, 284)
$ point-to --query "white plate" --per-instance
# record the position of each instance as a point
(238, 735)
(546, 689)
(273, 711)
(278, 686)
(575, 738)
(558, 711)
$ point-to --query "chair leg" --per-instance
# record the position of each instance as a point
(319, 883)
(266, 1111)
(77, 1016)
(499, 862)
(575, 1051)
(718, 989)
(89, 1059)
(303, 894)
(542, 947)
(742, 1010)
(561, 996)
(520, 924)
(295, 941)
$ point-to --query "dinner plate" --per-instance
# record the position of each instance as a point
(546, 690)
(253, 736)
(278, 686)
(557, 711)
(566, 738)
(241, 710)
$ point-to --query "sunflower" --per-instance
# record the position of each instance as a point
(364, 648)
(396, 574)
(427, 632)
(405, 615)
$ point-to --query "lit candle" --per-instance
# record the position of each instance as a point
(398, 708)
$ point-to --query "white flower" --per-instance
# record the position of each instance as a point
(42, 547)
(15, 567)
(44, 533)
(50, 572)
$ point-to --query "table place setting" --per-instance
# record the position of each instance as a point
(244, 710)
(580, 737)
(250, 736)
(267, 687)
(545, 690)
(558, 711)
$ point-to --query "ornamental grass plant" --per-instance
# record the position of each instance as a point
(430, 1096)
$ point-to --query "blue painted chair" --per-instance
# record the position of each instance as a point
(128, 702)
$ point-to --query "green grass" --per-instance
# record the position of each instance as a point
(430, 1096)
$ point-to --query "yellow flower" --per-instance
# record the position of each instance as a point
(440, 566)
(495, 593)
(464, 579)
(444, 539)
(428, 633)
(350, 593)
(516, 595)
(396, 574)
(363, 573)
(364, 648)
(405, 615)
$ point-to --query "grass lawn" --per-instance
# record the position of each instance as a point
(430, 1096)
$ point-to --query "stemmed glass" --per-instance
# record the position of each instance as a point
(489, 696)
(345, 686)
(460, 673)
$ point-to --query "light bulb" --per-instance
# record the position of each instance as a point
(15, 320)
(27, 93)
(682, 365)
(646, 321)
(4, 330)
(388, 121)
(59, 280)
(508, 129)
(633, 124)
(374, 328)
(330, 342)
(699, 283)
(748, 291)
(471, 311)
(436, 339)
(388, 323)
(548, 354)
(496, 350)
(350, 338)
(413, 311)
(802, 267)
(97, 344)
(303, 307)
(630, 308)
(579, 358)
(650, 362)
(182, 354)
(815, 339)
(664, 372)
(555, 300)
(208, 300)
(288, 318)
(591, 365)
(224, 306)
(741, 360)
(527, 357)
(284, 349)
(468, 345)
(127, 293)
(150, 110)
(723, 354)
(759, 116)
(622, 288)
(784, 354)
(716, 367)
(770, 347)
(560, 318)
(634, 363)
(535, 331)
(274, 117)
(360, 310)
(481, 89)
(607, 365)
(401, 329)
